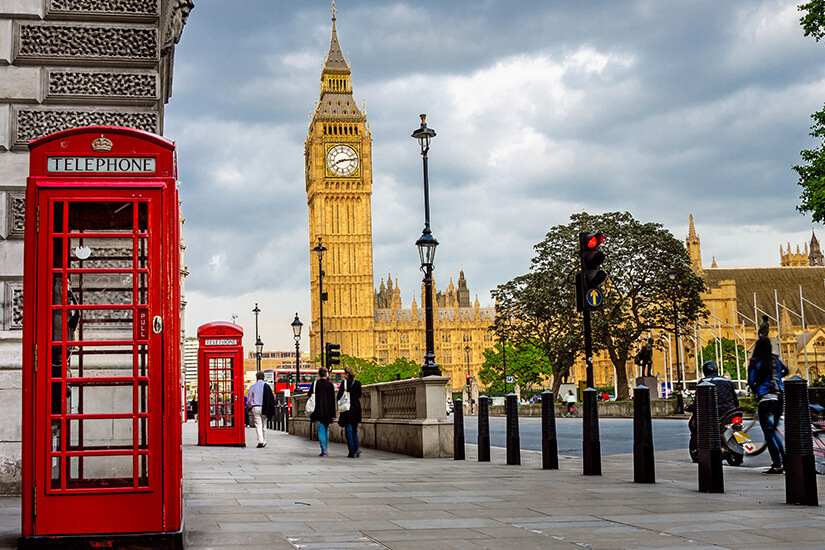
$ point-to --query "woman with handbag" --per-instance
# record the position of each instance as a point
(349, 410)
(323, 393)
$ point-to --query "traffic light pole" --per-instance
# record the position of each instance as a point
(588, 348)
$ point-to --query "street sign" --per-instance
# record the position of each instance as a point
(511, 379)
(593, 297)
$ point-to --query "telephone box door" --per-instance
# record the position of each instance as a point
(99, 362)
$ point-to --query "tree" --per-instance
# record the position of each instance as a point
(371, 371)
(638, 295)
(812, 172)
(727, 365)
(524, 361)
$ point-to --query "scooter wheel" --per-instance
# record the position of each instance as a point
(734, 459)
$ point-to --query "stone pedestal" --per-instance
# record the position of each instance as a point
(651, 382)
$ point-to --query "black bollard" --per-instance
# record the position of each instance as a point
(591, 447)
(458, 429)
(285, 422)
(277, 417)
(708, 440)
(549, 442)
(483, 429)
(644, 470)
(513, 441)
(800, 467)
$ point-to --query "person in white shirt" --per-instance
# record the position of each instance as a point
(255, 401)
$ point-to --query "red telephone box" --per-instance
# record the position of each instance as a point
(220, 385)
(101, 341)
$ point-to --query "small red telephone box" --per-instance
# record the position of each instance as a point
(220, 385)
(101, 341)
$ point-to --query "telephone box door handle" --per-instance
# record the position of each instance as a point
(157, 324)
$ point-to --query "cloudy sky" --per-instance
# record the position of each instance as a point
(542, 109)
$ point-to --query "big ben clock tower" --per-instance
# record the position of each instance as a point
(338, 157)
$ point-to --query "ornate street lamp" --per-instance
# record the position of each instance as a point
(296, 333)
(319, 251)
(259, 346)
(680, 404)
(467, 359)
(426, 250)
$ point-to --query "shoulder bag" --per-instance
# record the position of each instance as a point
(343, 401)
(310, 406)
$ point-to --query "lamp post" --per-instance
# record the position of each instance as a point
(680, 404)
(467, 359)
(426, 250)
(296, 333)
(259, 346)
(319, 251)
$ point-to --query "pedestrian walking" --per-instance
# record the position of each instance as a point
(350, 419)
(261, 401)
(570, 401)
(324, 411)
(765, 373)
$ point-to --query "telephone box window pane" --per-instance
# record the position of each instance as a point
(102, 252)
(143, 360)
(100, 472)
(142, 434)
(55, 460)
(143, 289)
(95, 434)
(57, 361)
(57, 218)
(103, 361)
(57, 398)
(143, 465)
(106, 324)
(103, 288)
(143, 253)
(104, 399)
(143, 392)
(143, 216)
(101, 216)
(57, 253)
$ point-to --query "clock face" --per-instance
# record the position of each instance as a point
(342, 160)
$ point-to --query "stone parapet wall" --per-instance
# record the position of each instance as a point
(406, 417)
(607, 409)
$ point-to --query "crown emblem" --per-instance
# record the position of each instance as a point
(102, 145)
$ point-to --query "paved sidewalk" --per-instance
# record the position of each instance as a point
(286, 497)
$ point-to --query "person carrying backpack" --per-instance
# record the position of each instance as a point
(765, 373)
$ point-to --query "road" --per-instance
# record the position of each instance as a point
(615, 435)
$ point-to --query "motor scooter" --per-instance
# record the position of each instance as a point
(735, 441)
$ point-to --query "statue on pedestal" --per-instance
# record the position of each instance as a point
(644, 358)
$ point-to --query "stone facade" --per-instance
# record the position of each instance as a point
(67, 63)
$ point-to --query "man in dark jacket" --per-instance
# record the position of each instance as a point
(726, 399)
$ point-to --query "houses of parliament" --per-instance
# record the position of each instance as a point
(368, 322)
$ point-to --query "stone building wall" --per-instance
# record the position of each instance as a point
(63, 64)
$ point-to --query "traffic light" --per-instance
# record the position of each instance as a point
(591, 277)
(331, 355)
(468, 379)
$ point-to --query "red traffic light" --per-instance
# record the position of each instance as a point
(594, 240)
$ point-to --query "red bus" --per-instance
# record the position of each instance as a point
(281, 379)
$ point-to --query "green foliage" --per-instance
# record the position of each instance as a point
(812, 171)
(813, 22)
(370, 371)
(524, 361)
(817, 382)
(728, 363)
(638, 295)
